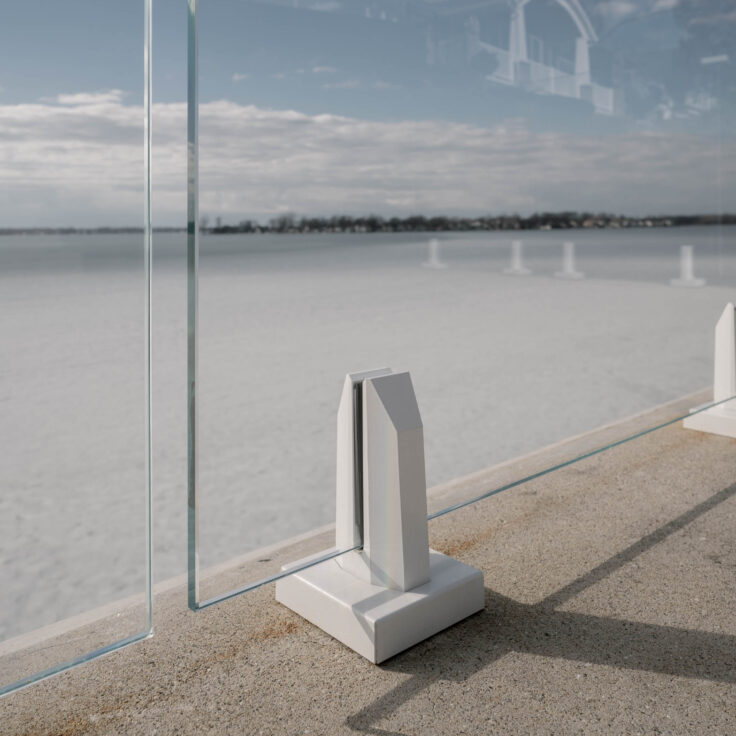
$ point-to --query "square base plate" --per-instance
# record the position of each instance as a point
(716, 420)
(380, 622)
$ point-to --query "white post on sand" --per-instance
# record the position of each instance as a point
(721, 419)
(517, 260)
(395, 591)
(434, 260)
(568, 263)
(687, 271)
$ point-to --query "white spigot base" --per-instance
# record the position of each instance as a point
(380, 622)
(719, 419)
(434, 264)
(569, 275)
(511, 271)
(687, 283)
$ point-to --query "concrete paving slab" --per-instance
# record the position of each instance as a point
(609, 610)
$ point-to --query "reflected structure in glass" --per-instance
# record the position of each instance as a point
(345, 147)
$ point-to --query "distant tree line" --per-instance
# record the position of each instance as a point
(85, 230)
(289, 223)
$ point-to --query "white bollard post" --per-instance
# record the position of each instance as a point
(687, 271)
(721, 419)
(568, 263)
(517, 260)
(724, 373)
(434, 260)
(395, 591)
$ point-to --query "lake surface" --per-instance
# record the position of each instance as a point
(501, 366)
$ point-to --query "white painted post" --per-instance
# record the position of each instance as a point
(582, 63)
(568, 263)
(724, 378)
(517, 35)
(517, 260)
(396, 538)
(434, 259)
(721, 419)
(687, 271)
(395, 591)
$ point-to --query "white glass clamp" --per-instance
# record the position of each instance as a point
(395, 591)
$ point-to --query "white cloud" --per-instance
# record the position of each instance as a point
(314, 70)
(256, 161)
(240, 77)
(616, 9)
(385, 85)
(109, 97)
(76, 163)
(715, 17)
(82, 165)
(327, 6)
(665, 5)
(347, 84)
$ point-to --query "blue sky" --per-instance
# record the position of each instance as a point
(320, 109)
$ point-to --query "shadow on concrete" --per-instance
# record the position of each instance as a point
(508, 626)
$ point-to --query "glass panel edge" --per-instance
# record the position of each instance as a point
(147, 247)
(192, 306)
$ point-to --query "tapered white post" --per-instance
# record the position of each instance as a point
(724, 377)
(582, 62)
(568, 263)
(396, 540)
(687, 270)
(395, 591)
(434, 260)
(721, 419)
(517, 267)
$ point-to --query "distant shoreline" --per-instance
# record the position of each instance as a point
(86, 230)
(340, 224)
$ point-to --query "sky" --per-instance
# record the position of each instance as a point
(319, 110)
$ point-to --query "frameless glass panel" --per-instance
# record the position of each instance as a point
(74, 374)
(528, 205)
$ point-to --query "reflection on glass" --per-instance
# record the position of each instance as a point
(74, 278)
(344, 145)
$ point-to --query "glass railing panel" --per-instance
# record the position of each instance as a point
(74, 375)
(368, 177)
